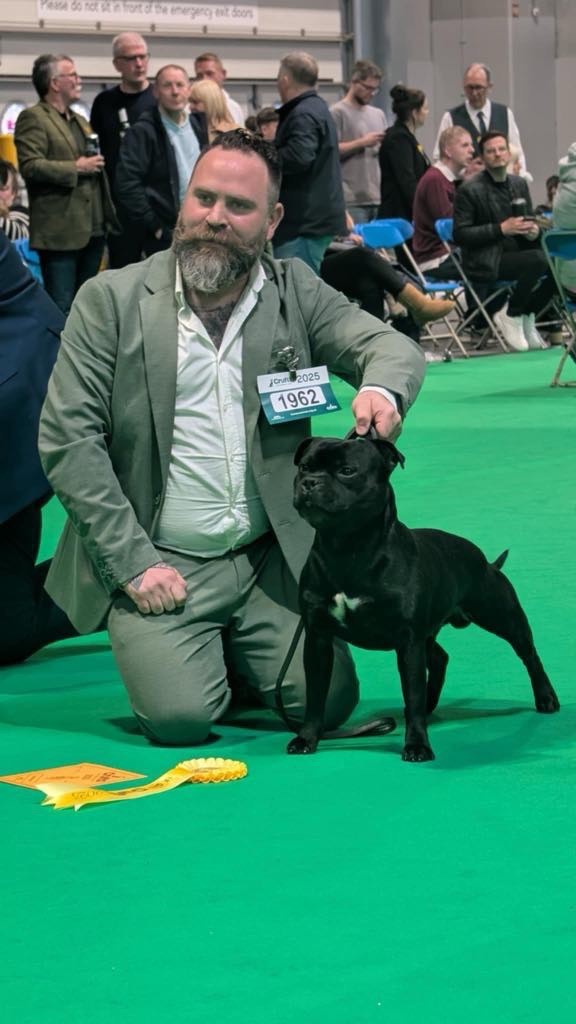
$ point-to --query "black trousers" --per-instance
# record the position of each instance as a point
(29, 619)
(534, 287)
(362, 275)
(447, 271)
(125, 248)
(65, 271)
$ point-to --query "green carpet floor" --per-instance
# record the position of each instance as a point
(348, 887)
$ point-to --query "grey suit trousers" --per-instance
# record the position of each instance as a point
(237, 624)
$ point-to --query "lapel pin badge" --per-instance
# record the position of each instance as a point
(288, 360)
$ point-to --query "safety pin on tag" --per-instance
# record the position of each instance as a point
(288, 360)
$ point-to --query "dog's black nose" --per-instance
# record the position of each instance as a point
(309, 483)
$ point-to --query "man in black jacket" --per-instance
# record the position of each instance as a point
(113, 112)
(157, 158)
(494, 226)
(311, 192)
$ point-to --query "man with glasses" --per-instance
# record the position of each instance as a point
(70, 205)
(478, 114)
(113, 111)
(360, 127)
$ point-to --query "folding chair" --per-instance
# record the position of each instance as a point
(29, 257)
(559, 246)
(444, 227)
(394, 233)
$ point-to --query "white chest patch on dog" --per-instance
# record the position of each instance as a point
(341, 604)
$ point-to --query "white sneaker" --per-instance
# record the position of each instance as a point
(532, 335)
(512, 329)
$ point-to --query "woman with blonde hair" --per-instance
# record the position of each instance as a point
(206, 97)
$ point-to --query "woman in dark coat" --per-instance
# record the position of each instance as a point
(402, 158)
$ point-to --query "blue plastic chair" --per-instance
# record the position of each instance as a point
(394, 233)
(29, 257)
(559, 247)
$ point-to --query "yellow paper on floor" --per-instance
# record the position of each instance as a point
(81, 775)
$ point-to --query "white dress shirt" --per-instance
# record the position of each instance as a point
(211, 504)
(234, 109)
(486, 110)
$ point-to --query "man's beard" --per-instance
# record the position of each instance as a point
(209, 264)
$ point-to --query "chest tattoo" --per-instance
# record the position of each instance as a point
(216, 320)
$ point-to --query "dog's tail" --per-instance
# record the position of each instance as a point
(501, 559)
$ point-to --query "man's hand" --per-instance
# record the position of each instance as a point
(518, 226)
(372, 139)
(156, 590)
(372, 409)
(89, 164)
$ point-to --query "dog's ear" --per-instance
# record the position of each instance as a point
(302, 448)
(389, 452)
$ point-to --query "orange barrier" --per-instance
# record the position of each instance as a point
(8, 149)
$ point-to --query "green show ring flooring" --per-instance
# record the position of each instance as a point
(347, 887)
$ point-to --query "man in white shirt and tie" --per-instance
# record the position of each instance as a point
(182, 537)
(479, 114)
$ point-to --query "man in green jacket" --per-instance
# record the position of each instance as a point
(182, 538)
(70, 205)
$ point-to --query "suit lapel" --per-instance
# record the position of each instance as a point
(259, 332)
(159, 325)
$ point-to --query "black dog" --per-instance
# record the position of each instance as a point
(373, 582)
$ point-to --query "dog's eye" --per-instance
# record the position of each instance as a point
(347, 471)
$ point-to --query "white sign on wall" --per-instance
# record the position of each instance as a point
(138, 13)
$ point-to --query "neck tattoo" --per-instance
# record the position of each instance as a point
(215, 320)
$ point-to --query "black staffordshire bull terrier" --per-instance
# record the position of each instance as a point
(372, 581)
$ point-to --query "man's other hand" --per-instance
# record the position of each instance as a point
(90, 164)
(517, 226)
(371, 409)
(156, 590)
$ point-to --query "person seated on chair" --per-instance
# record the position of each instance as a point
(434, 200)
(564, 214)
(29, 339)
(14, 219)
(498, 236)
(552, 183)
(367, 276)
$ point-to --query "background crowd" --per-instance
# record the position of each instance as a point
(107, 194)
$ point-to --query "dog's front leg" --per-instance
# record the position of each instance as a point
(318, 663)
(412, 667)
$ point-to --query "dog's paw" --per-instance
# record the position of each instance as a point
(547, 703)
(417, 752)
(301, 745)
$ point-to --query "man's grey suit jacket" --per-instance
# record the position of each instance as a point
(107, 423)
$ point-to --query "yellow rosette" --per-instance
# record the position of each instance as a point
(197, 770)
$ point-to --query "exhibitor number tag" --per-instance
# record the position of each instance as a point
(308, 394)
